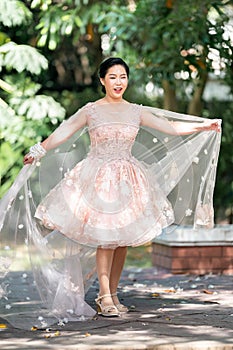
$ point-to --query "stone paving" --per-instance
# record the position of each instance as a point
(167, 312)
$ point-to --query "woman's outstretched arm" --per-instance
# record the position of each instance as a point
(178, 127)
(65, 130)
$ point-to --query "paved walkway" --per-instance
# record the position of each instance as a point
(167, 312)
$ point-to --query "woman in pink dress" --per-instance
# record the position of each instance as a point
(76, 210)
(110, 200)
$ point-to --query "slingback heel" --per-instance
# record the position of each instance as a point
(108, 310)
(120, 307)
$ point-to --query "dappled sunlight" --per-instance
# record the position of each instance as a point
(182, 311)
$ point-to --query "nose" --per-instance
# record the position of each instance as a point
(118, 80)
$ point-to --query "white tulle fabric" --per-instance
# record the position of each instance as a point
(113, 183)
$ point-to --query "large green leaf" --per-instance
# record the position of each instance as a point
(56, 23)
(41, 106)
(6, 114)
(18, 85)
(13, 12)
(22, 57)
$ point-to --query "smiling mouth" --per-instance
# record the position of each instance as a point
(119, 89)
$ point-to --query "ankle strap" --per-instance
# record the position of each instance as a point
(114, 294)
(104, 296)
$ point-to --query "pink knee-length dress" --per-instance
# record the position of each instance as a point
(109, 199)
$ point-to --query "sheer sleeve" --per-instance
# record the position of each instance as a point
(174, 127)
(66, 129)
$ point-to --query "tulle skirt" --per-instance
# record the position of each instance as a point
(107, 203)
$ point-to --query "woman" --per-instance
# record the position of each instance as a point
(111, 200)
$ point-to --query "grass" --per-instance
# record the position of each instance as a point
(139, 256)
(136, 257)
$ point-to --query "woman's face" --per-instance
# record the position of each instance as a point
(115, 82)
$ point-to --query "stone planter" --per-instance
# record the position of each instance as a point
(185, 250)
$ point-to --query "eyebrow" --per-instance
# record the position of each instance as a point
(116, 74)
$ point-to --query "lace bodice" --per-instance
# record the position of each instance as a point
(113, 134)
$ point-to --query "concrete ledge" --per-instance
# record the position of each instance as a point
(185, 250)
(186, 235)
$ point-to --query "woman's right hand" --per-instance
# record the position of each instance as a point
(28, 159)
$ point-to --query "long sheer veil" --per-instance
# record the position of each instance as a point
(44, 275)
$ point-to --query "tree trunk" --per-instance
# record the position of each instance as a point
(170, 101)
(196, 104)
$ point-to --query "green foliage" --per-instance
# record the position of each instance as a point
(41, 106)
(25, 115)
(56, 23)
(224, 184)
(172, 39)
(13, 13)
(63, 19)
(22, 58)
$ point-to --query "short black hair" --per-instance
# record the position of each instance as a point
(110, 62)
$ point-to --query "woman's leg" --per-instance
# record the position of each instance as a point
(116, 270)
(109, 264)
(104, 260)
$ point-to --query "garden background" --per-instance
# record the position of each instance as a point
(179, 53)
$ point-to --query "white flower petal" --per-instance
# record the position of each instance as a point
(188, 212)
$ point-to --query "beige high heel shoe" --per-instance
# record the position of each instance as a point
(108, 310)
(120, 307)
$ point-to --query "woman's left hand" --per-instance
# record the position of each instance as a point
(211, 124)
